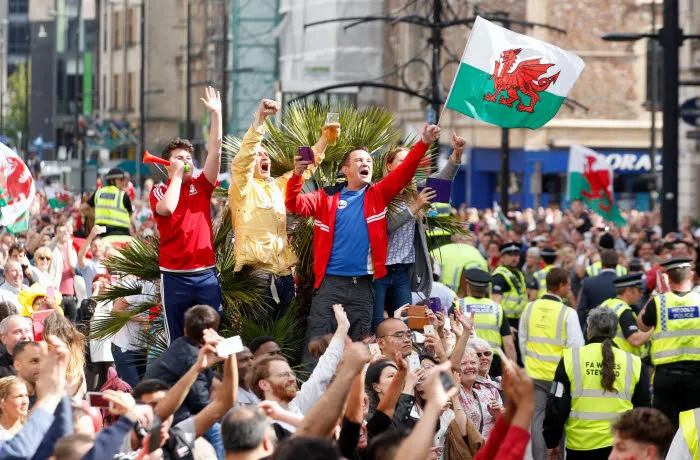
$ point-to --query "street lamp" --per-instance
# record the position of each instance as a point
(671, 38)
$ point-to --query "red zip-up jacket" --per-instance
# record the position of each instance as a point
(322, 205)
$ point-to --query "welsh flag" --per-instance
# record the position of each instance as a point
(511, 80)
(591, 180)
(57, 197)
(16, 186)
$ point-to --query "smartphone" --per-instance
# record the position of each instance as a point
(307, 154)
(154, 442)
(446, 380)
(97, 399)
(100, 229)
(429, 330)
(229, 346)
(374, 350)
(413, 362)
(435, 304)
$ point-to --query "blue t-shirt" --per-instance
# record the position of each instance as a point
(350, 255)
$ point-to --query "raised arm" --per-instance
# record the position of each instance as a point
(167, 202)
(319, 150)
(467, 323)
(243, 164)
(177, 394)
(449, 171)
(224, 401)
(86, 246)
(306, 204)
(212, 165)
(322, 418)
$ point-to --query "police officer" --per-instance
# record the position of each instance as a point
(548, 256)
(112, 204)
(455, 257)
(509, 288)
(629, 290)
(489, 321)
(675, 344)
(592, 386)
(685, 442)
(547, 327)
(606, 241)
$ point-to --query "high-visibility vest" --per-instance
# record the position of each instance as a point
(515, 298)
(546, 337)
(109, 207)
(593, 408)
(439, 209)
(677, 333)
(456, 257)
(594, 269)
(619, 307)
(689, 425)
(541, 277)
(488, 318)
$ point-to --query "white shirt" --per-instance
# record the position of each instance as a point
(8, 293)
(574, 335)
(129, 337)
(679, 449)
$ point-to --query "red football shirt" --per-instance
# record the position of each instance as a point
(186, 236)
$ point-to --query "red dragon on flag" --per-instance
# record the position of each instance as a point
(16, 186)
(525, 78)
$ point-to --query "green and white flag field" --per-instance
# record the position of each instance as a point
(511, 80)
(590, 179)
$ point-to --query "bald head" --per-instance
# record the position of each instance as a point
(394, 336)
(245, 430)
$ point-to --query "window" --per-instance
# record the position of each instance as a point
(115, 93)
(131, 26)
(18, 6)
(18, 38)
(116, 30)
(131, 78)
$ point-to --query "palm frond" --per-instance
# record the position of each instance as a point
(103, 327)
(139, 258)
(450, 225)
(287, 331)
(222, 235)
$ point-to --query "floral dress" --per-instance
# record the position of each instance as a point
(476, 403)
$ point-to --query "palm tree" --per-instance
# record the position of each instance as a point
(373, 128)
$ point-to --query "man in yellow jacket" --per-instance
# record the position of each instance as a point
(259, 215)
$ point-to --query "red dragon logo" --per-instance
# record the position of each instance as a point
(526, 78)
(599, 182)
(15, 181)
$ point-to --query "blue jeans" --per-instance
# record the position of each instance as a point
(214, 438)
(131, 365)
(391, 292)
(181, 291)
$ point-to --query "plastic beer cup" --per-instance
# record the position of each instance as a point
(331, 127)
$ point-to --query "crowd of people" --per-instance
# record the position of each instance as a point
(527, 335)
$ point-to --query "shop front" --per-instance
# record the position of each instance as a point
(478, 185)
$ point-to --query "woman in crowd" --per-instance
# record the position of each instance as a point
(61, 328)
(408, 260)
(482, 405)
(40, 269)
(484, 354)
(14, 406)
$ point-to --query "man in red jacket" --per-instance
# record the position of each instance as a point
(350, 239)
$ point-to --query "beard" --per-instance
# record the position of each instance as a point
(284, 392)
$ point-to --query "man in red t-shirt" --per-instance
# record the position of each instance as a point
(181, 209)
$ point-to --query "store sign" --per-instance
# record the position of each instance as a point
(626, 162)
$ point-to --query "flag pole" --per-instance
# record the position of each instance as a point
(440, 117)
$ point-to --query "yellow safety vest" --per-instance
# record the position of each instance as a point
(541, 277)
(594, 270)
(456, 257)
(677, 333)
(488, 318)
(689, 424)
(515, 298)
(109, 208)
(620, 306)
(546, 337)
(439, 209)
(593, 408)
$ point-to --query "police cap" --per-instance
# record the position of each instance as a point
(633, 280)
(477, 277)
(509, 248)
(678, 262)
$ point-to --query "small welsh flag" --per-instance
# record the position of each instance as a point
(591, 181)
(511, 80)
(501, 215)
